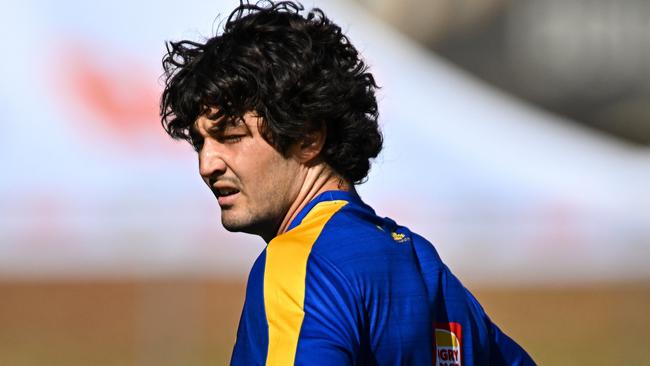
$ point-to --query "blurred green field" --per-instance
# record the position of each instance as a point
(193, 322)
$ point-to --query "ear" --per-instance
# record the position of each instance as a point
(311, 145)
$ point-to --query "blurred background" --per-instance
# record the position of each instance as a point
(516, 137)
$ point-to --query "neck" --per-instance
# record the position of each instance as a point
(319, 179)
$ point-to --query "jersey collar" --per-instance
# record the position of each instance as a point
(348, 196)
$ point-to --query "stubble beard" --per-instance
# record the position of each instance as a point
(262, 213)
(264, 223)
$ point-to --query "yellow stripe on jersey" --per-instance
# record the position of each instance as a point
(284, 282)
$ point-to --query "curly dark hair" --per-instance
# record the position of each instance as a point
(299, 74)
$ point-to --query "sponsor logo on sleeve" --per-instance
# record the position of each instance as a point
(448, 342)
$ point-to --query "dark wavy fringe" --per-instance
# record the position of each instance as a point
(295, 72)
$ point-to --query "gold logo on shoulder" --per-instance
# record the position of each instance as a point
(398, 237)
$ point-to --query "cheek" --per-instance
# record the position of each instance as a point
(268, 177)
(278, 179)
(278, 173)
(260, 169)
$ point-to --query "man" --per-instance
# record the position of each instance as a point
(282, 113)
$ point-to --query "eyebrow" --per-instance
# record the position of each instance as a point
(220, 125)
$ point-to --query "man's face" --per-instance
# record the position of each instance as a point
(254, 183)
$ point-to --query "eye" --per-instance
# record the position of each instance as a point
(231, 139)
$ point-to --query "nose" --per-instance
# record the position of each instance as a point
(211, 160)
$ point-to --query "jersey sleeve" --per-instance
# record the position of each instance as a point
(331, 328)
(464, 334)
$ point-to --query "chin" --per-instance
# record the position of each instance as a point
(236, 224)
(246, 225)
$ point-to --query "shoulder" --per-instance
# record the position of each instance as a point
(372, 252)
(356, 230)
(351, 234)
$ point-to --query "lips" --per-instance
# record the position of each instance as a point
(226, 195)
(224, 192)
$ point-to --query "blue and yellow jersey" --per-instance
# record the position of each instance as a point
(345, 287)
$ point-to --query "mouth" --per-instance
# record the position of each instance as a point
(225, 195)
